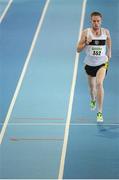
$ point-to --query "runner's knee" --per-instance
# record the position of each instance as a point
(99, 84)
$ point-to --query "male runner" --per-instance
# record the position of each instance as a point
(96, 42)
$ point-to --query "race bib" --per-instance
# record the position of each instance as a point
(97, 51)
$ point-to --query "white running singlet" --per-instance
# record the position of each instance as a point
(96, 50)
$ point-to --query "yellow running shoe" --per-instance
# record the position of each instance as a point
(99, 117)
(92, 105)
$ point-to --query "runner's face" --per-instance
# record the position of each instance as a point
(96, 22)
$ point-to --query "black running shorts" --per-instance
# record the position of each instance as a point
(92, 70)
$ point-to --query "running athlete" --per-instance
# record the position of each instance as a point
(96, 42)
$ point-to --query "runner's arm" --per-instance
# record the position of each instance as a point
(85, 40)
(82, 43)
(109, 44)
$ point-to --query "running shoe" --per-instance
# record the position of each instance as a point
(99, 117)
(92, 105)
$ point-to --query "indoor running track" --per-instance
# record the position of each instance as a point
(38, 46)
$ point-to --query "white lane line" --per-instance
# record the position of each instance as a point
(5, 11)
(23, 71)
(66, 134)
(61, 124)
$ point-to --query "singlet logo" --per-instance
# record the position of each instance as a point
(97, 42)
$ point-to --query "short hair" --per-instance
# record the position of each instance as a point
(95, 13)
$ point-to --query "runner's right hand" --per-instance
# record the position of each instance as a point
(88, 40)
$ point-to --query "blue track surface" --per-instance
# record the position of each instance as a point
(33, 141)
(3, 4)
(93, 150)
(42, 103)
(16, 34)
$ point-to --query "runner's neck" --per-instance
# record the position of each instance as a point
(96, 32)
